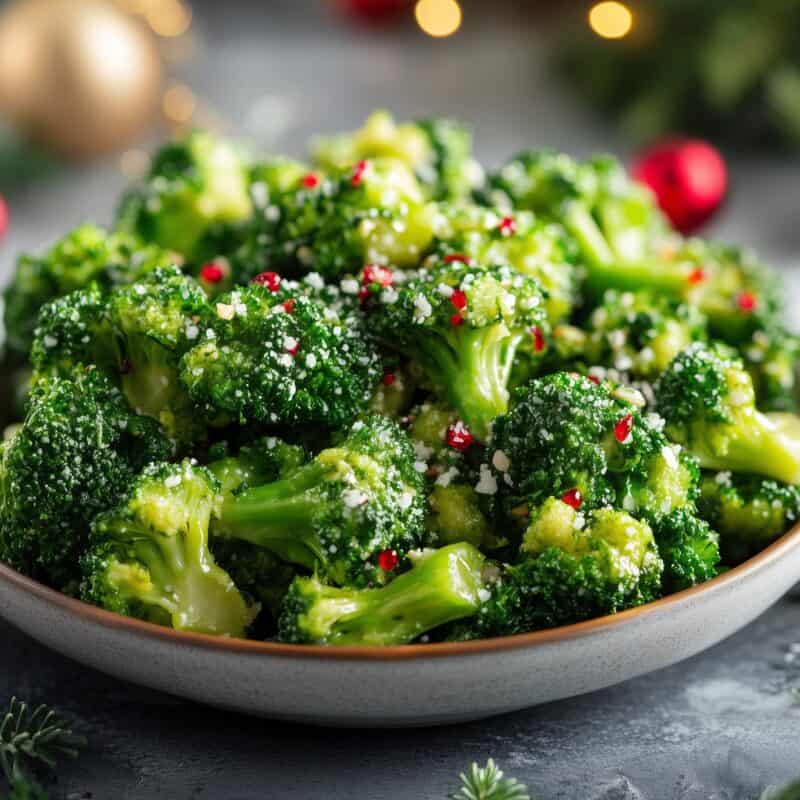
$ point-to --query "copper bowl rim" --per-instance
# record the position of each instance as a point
(109, 619)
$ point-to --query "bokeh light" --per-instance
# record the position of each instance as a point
(610, 19)
(179, 103)
(438, 18)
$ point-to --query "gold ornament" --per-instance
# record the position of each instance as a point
(78, 76)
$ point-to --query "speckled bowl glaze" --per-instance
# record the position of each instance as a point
(412, 685)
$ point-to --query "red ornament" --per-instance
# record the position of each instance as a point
(212, 273)
(573, 498)
(538, 339)
(688, 177)
(373, 11)
(310, 181)
(269, 279)
(373, 273)
(459, 299)
(458, 437)
(388, 560)
(746, 301)
(622, 430)
(3, 217)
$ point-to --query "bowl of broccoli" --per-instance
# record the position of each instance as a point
(383, 438)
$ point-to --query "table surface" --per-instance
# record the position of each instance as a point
(721, 726)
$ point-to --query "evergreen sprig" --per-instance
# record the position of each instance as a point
(489, 783)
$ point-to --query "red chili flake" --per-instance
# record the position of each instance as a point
(310, 180)
(269, 279)
(388, 379)
(622, 430)
(507, 226)
(594, 379)
(746, 301)
(697, 275)
(456, 320)
(538, 339)
(358, 172)
(288, 305)
(374, 273)
(458, 437)
(388, 560)
(457, 257)
(212, 273)
(459, 299)
(364, 295)
(573, 498)
(293, 350)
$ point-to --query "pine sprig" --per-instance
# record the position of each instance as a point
(34, 736)
(488, 783)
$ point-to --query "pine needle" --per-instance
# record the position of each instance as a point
(488, 783)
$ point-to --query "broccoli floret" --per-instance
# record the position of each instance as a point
(707, 399)
(439, 151)
(771, 358)
(462, 325)
(340, 511)
(688, 547)
(374, 213)
(568, 436)
(573, 566)
(395, 393)
(85, 255)
(281, 357)
(196, 187)
(138, 333)
(442, 585)
(149, 556)
(73, 456)
(748, 511)
(639, 333)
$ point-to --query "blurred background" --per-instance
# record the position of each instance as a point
(88, 87)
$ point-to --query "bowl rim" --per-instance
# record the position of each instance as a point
(140, 628)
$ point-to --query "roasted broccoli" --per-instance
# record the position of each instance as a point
(442, 585)
(73, 456)
(748, 511)
(707, 400)
(439, 151)
(85, 255)
(339, 512)
(462, 324)
(196, 188)
(149, 556)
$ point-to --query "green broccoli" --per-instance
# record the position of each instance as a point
(748, 511)
(278, 356)
(87, 254)
(196, 188)
(138, 333)
(771, 356)
(73, 456)
(462, 325)
(442, 585)
(149, 556)
(707, 400)
(439, 152)
(339, 512)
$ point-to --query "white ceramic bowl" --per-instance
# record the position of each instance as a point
(411, 685)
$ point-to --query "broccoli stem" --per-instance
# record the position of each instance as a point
(442, 586)
(472, 368)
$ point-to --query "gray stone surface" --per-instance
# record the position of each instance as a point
(722, 726)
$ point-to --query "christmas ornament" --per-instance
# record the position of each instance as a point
(79, 77)
(688, 177)
(3, 217)
(373, 10)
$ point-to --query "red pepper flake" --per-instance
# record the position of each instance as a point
(573, 498)
(458, 437)
(388, 379)
(358, 172)
(594, 379)
(288, 305)
(310, 180)
(538, 339)
(697, 275)
(746, 301)
(293, 350)
(456, 320)
(459, 299)
(374, 273)
(269, 279)
(364, 295)
(507, 226)
(622, 430)
(388, 560)
(461, 258)
(212, 273)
